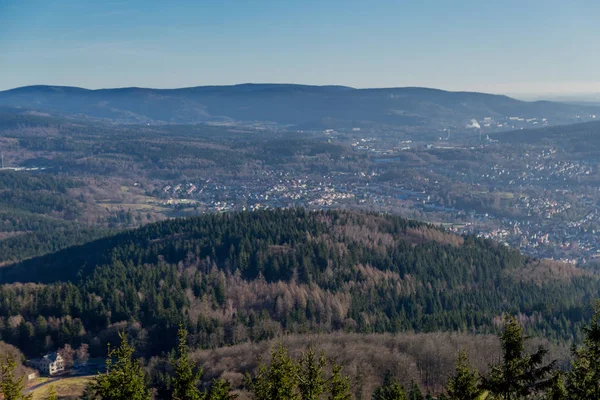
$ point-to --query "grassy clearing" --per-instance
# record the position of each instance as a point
(38, 380)
(506, 195)
(65, 388)
(130, 206)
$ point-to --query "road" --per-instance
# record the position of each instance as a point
(55, 379)
(39, 385)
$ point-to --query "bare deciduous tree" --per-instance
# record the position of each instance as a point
(67, 353)
(82, 354)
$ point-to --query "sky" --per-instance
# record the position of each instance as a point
(524, 47)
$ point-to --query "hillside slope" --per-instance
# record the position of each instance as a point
(39, 214)
(286, 104)
(241, 276)
(577, 138)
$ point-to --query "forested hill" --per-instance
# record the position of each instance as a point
(286, 104)
(39, 214)
(239, 276)
(576, 138)
(279, 245)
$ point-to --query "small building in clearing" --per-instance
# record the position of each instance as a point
(50, 364)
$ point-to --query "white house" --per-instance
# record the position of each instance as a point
(51, 364)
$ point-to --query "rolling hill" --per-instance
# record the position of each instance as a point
(287, 104)
(252, 276)
(578, 138)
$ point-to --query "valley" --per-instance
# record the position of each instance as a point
(384, 238)
(526, 188)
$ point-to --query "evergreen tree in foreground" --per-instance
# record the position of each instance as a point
(520, 374)
(11, 387)
(339, 384)
(415, 392)
(187, 377)
(389, 390)
(124, 378)
(464, 384)
(277, 380)
(221, 390)
(583, 381)
(558, 390)
(311, 381)
(306, 380)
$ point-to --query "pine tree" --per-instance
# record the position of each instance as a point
(52, 394)
(557, 391)
(311, 382)
(415, 392)
(583, 381)
(339, 385)
(11, 387)
(124, 378)
(278, 380)
(186, 379)
(221, 390)
(463, 384)
(520, 374)
(389, 390)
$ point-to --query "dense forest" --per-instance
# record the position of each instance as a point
(244, 276)
(39, 215)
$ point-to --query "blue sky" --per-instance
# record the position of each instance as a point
(525, 46)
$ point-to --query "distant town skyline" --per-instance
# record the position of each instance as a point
(525, 49)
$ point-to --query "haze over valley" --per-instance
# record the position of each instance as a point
(481, 164)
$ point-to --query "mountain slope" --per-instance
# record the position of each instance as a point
(240, 276)
(583, 137)
(285, 104)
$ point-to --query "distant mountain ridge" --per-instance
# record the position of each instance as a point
(286, 104)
